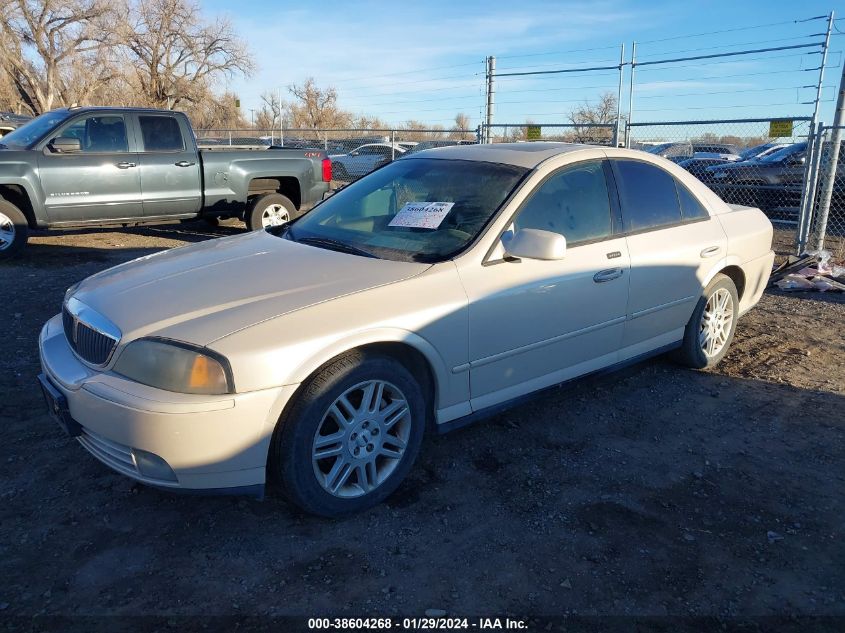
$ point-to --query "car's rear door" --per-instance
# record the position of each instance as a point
(673, 243)
(99, 182)
(169, 165)
(534, 323)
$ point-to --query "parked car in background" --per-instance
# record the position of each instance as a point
(120, 166)
(436, 290)
(684, 150)
(9, 121)
(770, 182)
(699, 166)
(364, 159)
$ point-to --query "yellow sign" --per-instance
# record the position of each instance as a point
(780, 128)
(534, 133)
(237, 103)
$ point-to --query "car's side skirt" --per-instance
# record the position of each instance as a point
(487, 412)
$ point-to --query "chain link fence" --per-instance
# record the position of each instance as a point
(754, 162)
(354, 152)
(588, 133)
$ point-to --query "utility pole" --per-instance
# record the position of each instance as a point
(281, 122)
(491, 91)
(805, 212)
(833, 161)
(252, 116)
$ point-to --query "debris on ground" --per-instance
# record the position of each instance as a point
(812, 272)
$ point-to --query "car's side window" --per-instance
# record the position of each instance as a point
(648, 196)
(573, 202)
(161, 134)
(691, 208)
(99, 133)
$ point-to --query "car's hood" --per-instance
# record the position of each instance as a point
(203, 292)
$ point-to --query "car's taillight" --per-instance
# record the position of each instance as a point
(327, 170)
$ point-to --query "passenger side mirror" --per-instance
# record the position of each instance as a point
(65, 145)
(536, 244)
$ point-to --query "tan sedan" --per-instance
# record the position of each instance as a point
(438, 289)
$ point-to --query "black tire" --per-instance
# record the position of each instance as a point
(290, 461)
(691, 353)
(255, 210)
(14, 230)
(211, 220)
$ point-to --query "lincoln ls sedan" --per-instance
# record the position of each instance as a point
(442, 287)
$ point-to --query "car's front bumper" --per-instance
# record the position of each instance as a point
(208, 443)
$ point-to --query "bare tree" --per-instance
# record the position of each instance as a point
(176, 54)
(268, 117)
(44, 42)
(316, 108)
(460, 130)
(602, 113)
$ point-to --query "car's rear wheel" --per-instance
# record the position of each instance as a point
(272, 209)
(711, 328)
(14, 229)
(350, 437)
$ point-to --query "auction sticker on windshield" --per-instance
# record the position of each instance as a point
(422, 215)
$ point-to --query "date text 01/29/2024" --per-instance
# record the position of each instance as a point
(417, 624)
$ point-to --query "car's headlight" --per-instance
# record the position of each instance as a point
(175, 366)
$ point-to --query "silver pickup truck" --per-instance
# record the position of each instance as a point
(86, 166)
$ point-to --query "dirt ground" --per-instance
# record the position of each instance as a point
(657, 491)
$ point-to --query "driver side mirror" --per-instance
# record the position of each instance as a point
(65, 145)
(536, 244)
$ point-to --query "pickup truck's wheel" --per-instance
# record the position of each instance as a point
(351, 436)
(711, 328)
(14, 229)
(272, 209)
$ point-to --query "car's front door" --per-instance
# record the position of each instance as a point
(534, 323)
(673, 244)
(99, 182)
(170, 170)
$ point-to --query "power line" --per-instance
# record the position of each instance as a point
(734, 30)
(572, 50)
(708, 48)
(411, 72)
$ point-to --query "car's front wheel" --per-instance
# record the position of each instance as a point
(351, 436)
(711, 328)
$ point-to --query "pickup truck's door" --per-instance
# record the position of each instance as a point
(100, 182)
(170, 169)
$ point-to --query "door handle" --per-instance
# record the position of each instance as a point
(710, 251)
(607, 275)
(185, 163)
(125, 165)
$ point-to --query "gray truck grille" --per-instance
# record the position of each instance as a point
(91, 345)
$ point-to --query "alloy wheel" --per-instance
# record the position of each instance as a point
(7, 232)
(361, 439)
(716, 322)
(274, 215)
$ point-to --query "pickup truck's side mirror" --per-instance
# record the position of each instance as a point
(536, 244)
(65, 145)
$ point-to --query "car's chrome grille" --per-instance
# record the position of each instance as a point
(91, 345)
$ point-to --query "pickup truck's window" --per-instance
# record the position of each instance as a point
(691, 208)
(573, 202)
(647, 194)
(359, 216)
(98, 133)
(161, 134)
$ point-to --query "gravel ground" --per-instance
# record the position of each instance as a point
(655, 491)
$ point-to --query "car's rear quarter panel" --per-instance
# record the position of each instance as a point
(749, 234)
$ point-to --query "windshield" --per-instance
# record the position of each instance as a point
(781, 154)
(33, 131)
(420, 209)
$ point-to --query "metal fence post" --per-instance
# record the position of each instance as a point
(619, 95)
(833, 162)
(491, 89)
(392, 144)
(631, 95)
(815, 142)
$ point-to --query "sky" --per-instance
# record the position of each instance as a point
(425, 60)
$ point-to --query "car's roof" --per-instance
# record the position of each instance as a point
(527, 155)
